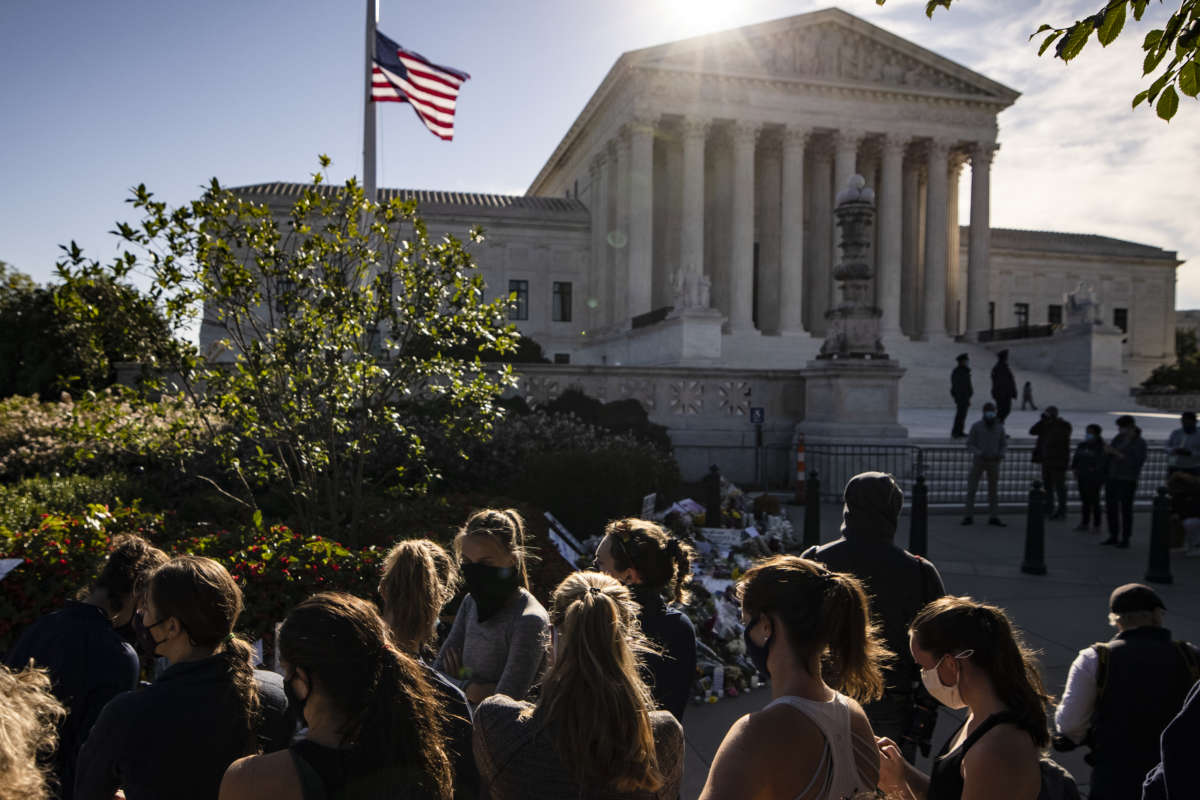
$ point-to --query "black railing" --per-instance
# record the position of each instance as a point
(945, 470)
(1019, 332)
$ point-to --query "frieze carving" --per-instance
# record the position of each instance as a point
(733, 398)
(830, 52)
(539, 391)
(687, 397)
(639, 389)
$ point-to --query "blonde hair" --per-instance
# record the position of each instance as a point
(413, 590)
(29, 717)
(823, 613)
(593, 694)
(507, 527)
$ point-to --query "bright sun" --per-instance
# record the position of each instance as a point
(693, 17)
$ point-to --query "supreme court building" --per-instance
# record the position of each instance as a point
(685, 218)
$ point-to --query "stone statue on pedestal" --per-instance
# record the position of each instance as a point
(1082, 308)
(854, 328)
(691, 289)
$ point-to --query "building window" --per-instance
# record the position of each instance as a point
(1054, 315)
(562, 302)
(1021, 312)
(1121, 319)
(518, 307)
(991, 315)
(562, 358)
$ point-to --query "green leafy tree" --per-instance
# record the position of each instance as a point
(343, 326)
(1184, 374)
(70, 336)
(1179, 39)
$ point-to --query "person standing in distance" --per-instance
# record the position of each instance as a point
(899, 584)
(1004, 386)
(961, 390)
(1126, 454)
(986, 443)
(1090, 465)
(1054, 448)
(1183, 447)
(1122, 693)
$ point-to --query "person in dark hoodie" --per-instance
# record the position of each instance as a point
(1090, 465)
(899, 583)
(657, 568)
(961, 390)
(1053, 450)
(1004, 386)
(986, 443)
(86, 648)
(1126, 453)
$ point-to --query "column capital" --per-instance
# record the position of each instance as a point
(894, 144)
(795, 135)
(641, 123)
(982, 153)
(847, 138)
(694, 128)
(743, 132)
(939, 146)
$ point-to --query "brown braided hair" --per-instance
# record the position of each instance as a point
(662, 560)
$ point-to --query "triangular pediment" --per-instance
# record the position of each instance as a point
(829, 46)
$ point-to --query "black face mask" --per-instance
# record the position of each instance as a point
(758, 652)
(294, 702)
(143, 641)
(490, 587)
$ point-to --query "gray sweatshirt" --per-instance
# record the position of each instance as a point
(987, 442)
(508, 650)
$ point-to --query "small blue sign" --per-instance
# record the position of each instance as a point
(758, 415)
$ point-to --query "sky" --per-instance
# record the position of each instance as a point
(97, 97)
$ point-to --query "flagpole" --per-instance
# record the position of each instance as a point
(369, 107)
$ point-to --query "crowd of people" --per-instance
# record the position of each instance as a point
(1111, 468)
(858, 639)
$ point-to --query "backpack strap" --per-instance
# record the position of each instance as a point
(311, 785)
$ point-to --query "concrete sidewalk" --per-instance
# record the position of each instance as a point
(1059, 613)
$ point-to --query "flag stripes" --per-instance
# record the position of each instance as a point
(402, 76)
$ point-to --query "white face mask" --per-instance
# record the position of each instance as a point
(949, 696)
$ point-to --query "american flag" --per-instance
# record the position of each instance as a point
(402, 76)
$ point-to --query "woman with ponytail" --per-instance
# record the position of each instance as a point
(497, 644)
(375, 726)
(971, 657)
(417, 579)
(593, 731)
(804, 625)
(210, 707)
(656, 567)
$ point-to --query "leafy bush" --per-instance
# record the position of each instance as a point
(276, 567)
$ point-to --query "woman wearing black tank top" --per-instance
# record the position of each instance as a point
(375, 727)
(971, 657)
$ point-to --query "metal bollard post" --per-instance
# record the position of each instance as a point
(1035, 532)
(1159, 570)
(918, 532)
(812, 511)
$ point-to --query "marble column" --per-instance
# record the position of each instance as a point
(620, 235)
(956, 296)
(979, 239)
(769, 223)
(741, 257)
(641, 216)
(598, 206)
(890, 256)
(936, 217)
(910, 279)
(820, 268)
(691, 239)
(791, 237)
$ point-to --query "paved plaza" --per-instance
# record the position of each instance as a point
(934, 423)
(1060, 612)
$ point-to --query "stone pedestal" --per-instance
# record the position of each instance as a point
(852, 399)
(687, 336)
